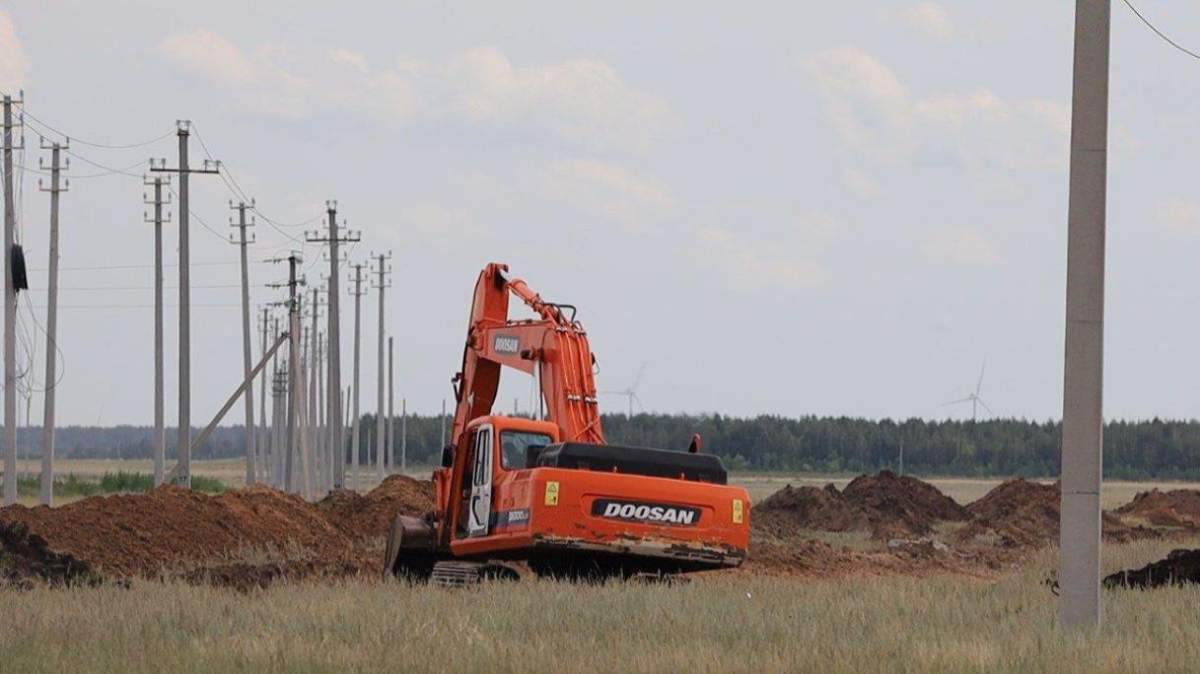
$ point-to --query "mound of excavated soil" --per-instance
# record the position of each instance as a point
(370, 516)
(1181, 567)
(173, 530)
(25, 560)
(917, 505)
(794, 509)
(1023, 514)
(886, 505)
(1175, 508)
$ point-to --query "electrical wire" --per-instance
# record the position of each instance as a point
(103, 146)
(1159, 33)
(98, 165)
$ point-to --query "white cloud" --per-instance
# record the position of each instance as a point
(930, 18)
(1181, 216)
(875, 113)
(584, 101)
(762, 260)
(211, 55)
(633, 200)
(14, 64)
(965, 247)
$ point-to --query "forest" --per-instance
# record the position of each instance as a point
(1155, 448)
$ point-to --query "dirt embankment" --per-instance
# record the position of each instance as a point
(1023, 514)
(885, 505)
(237, 534)
(1175, 508)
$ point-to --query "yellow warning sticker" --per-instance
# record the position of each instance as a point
(551, 493)
(737, 511)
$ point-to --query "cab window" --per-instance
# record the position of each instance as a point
(513, 446)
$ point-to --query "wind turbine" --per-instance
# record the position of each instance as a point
(974, 398)
(631, 392)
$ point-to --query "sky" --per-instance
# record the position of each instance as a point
(778, 208)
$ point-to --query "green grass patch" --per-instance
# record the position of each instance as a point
(120, 482)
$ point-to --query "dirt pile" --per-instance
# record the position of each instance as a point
(1174, 508)
(25, 560)
(1181, 567)
(910, 506)
(886, 505)
(240, 536)
(369, 516)
(1023, 514)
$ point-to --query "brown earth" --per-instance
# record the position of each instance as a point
(1174, 508)
(885, 505)
(174, 531)
(1023, 514)
(25, 560)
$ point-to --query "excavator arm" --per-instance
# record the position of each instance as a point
(553, 347)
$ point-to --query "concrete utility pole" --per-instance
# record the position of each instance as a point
(160, 431)
(294, 370)
(1083, 385)
(391, 415)
(323, 449)
(381, 284)
(334, 238)
(51, 381)
(10, 313)
(184, 446)
(262, 448)
(404, 435)
(247, 357)
(313, 365)
(358, 292)
(443, 436)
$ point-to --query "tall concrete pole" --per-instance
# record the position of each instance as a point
(322, 427)
(261, 453)
(160, 430)
(334, 238)
(10, 316)
(51, 381)
(404, 435)
(381, 285)
(313, 366)
(247, 356)
(391, 415)
(443, 436)
(294, 373)
(354, 437)
(184, 444)
(1083, 385)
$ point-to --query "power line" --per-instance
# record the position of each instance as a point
(128, 306)
(106, 168)
(104, 146)
(1159, 33)
(140, 266)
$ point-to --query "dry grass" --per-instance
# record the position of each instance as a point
(718, 624)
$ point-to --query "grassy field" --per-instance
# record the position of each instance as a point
(725, 623)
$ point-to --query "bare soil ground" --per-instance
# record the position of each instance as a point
(255, 537)
(226, 539)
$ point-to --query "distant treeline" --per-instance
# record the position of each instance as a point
(1133, 449)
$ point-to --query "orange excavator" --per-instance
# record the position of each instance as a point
(549, 492)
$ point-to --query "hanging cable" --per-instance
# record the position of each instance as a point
(1159, 33)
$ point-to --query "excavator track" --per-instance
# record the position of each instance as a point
(456, 574)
